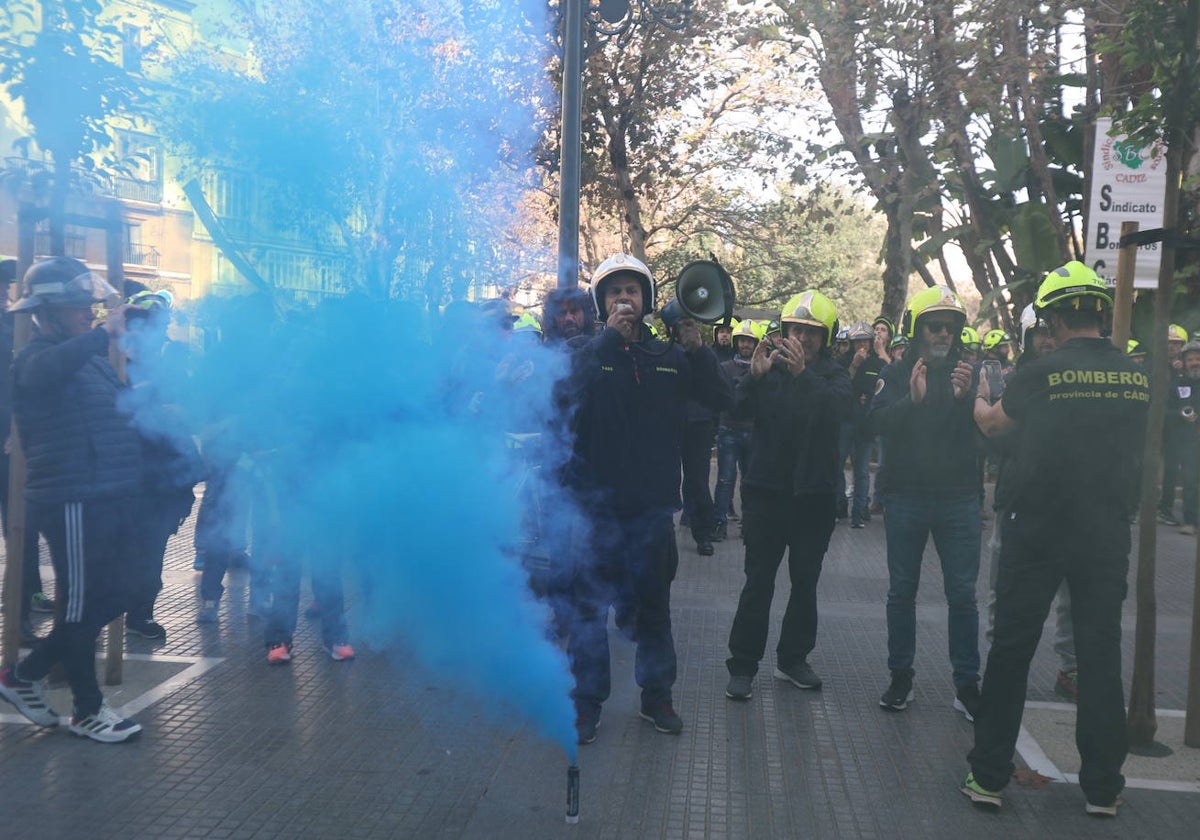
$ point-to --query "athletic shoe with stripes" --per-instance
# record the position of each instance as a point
(29, 698)
(105, 726)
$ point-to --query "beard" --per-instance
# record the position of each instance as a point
(937, 352)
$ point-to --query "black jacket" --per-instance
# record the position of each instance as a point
(78, 445)
(932, 446)
(797, 420)
(629, 419)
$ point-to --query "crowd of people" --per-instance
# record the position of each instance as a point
(1059, 414)
(790, 402)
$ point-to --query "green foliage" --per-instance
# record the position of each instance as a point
(59, 60)
(395, 130)
(823, 239)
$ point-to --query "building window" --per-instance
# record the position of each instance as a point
(131, 48)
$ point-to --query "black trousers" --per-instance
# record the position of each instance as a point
(1035, 557)
(90, 546)
(697, 447)
(774, 522)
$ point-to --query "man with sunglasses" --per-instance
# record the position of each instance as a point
(922, 409)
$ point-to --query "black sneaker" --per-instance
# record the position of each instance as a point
(856, 522)
(1167, 518)
(800, 675)
(146, 629)
(663, 716)
(705, 549)
(587, 721)
(741, 687)
(966, 700)
(899, 693)
(720, 532)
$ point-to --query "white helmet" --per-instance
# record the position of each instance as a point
(1029, 320)
(614, 265)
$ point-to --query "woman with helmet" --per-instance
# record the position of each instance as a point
(630, 393)
(922, 409)
(1080, 413)
(84, 466)
(798, 398)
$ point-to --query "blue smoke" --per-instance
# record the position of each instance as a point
(376, 436)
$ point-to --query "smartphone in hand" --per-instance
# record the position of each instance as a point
(995, 378)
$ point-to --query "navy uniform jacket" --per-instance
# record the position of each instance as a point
(630, 410)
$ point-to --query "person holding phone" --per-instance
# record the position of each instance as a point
(922, 409)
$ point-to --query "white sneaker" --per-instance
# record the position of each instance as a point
(105, 726)
(29, 698)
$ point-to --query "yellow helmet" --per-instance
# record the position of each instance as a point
(933, 299)
(970, 338)
(995, 338)
(1073, 284)
(752, 330)
(527, 322)
(1133, 348)
(814, 309)
(1176, 333)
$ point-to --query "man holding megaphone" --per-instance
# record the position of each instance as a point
(630, 390)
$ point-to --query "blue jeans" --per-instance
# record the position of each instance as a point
(733, 448)
(953, 520)
(860, 463)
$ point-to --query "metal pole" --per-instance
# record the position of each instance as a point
(570, 145)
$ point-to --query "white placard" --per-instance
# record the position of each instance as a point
(1128, 185)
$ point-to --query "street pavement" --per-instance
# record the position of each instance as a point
(381, 748)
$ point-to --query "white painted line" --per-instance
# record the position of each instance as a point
(1032, 754)
(199, 666)
(1045, 706)
(1150, 784)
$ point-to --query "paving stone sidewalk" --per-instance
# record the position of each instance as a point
(379, 748)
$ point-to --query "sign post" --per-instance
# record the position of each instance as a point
(1129, 183)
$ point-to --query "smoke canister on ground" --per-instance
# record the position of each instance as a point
(572, 794)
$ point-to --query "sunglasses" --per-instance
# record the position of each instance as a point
(936, 327)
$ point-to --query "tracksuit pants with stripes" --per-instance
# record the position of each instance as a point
(90, 548)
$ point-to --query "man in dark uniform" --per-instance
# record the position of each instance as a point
(631, 391)
(1081, 416)
(798, 397)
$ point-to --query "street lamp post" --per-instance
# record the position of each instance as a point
(607, 19)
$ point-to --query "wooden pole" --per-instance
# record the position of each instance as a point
(14, 571)
(1123, 297)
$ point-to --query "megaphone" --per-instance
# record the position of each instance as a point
(703, 292)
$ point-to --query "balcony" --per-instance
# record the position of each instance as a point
(138, 254)
(75, 245)
(94, 183)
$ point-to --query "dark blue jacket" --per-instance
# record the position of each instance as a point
(78, 445)
(797, 420)
(630, 408)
